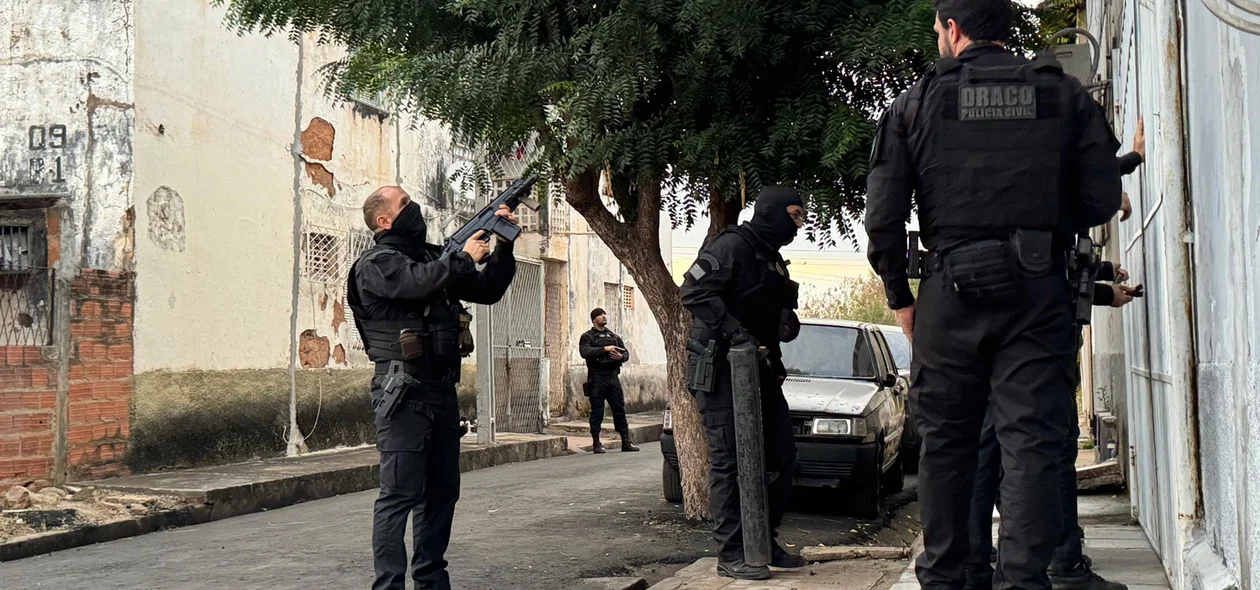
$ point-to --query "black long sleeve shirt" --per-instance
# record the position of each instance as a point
(389, 274)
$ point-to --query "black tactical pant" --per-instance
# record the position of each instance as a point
(983, 500)
(1016, 359)
(988, 477)
(717, 416)
(419, 447)
(607, 387)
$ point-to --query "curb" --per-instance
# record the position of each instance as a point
(612, 584)
(237, 500)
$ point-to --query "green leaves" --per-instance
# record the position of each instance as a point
(694, 94)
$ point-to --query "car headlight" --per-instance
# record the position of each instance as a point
(839, 427)
(668, 420)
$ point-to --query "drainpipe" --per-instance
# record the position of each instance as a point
(295, 443)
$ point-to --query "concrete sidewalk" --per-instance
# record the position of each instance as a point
(214, 493)
(834, 575)
(644, 427)
(1119, 549)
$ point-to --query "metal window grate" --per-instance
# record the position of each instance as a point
(328, 255)
(627, 298)
(15, 248)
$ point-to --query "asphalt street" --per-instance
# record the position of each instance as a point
(526, 526)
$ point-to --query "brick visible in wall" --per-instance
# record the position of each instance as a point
(99, 409)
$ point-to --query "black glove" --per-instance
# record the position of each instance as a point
(789, 326)
(741, 337)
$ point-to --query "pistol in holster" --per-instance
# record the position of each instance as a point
(1083, 262)
(700, 370)
(397, 381)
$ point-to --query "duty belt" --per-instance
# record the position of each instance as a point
(423, 373)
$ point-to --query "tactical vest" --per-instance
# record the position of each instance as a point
(441, 327)
(759, 293)
(997, 147)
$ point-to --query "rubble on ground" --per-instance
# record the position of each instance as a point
(39, 507)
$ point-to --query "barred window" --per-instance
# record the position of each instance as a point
(325, 253)
(627, 298)
(26, 286)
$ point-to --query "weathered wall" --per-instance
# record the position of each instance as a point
(66, 126)
(214, 124)
(1223, 87)
(1192, 374)
(254, 180)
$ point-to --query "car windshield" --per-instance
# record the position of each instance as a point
(836, 352)
(900, 347)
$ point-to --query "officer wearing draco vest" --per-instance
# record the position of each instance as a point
(604, 353)
(731, 290)
(1006, 161)
(405, 301)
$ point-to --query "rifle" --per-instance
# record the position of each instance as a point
(486, 220)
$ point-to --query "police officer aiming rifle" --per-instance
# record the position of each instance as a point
(1006, 160)
(405, 295)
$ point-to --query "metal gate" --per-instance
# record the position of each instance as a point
(518, 362)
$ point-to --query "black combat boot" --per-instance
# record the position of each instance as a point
(779, 557)
(598, 447)
(626, 445)
(1079, 576)
(742, 571)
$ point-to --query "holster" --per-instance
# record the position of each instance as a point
(701, 374)
(397, 381)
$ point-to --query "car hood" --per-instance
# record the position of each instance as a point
(814, 395)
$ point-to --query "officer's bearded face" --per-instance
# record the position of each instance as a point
(601, 321)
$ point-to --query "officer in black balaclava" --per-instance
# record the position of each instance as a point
(731, 289)
(405, 298)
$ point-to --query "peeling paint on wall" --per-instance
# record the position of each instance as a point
(166, 219)
(125, 243)
(339, 355)
(313, 350)
(317, 144)
(339, 316)
(317, 140)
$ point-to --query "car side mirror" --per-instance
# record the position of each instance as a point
(889, 380)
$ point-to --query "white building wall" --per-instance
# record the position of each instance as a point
(1192, 372)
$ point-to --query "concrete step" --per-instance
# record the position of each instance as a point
(644, 427)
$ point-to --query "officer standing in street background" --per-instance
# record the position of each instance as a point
(1070, 569)
(737, 276)
(605, 352)
(1000, 155)
(405, 298)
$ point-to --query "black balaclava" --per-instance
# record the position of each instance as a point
(407, 232)
(770, 218)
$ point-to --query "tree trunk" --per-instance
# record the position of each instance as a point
(723, 212)
(637, 245)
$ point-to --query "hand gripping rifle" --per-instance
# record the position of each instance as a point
(486, 220)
